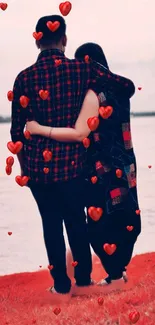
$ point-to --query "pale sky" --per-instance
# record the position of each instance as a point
(124, 28)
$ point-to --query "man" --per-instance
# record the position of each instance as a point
(55, 87)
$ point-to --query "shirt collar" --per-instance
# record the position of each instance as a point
(49, 53)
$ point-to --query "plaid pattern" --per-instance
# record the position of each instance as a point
(117, 195)
(67, 85)
(127, 136)
(131, 175)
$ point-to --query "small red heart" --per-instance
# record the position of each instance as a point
(50, 267)
(86, 58)
(34, 321)
(109, 249)
(57, 311)
(3, 6)
(22, 180)
(10, 95)
(74, 264)
(119, 173)
(105, 112)
(40, 266)
(134, 317)
(73, 163)
(138, 212)
(9, 233)
(47, 155)
(129, 228)
(100, 301)
(24, 101)
(10, 161)
(38, 35)
(15, 147)
(86, 142)
(95, 213)
(8, 170)
(149, 166)
(65, 8)
(93, 123)
(46, 170)
(94, 179)
(139, 88)
(27, 135)
(44, 94)
(58, 62)
(53, 26)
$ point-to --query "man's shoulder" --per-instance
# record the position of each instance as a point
(25, 72)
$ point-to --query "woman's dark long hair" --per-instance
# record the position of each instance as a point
(94, 51)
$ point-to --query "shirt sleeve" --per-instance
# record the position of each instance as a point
(18, 119)
(101, 76)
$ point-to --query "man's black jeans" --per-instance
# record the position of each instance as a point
(58, 202)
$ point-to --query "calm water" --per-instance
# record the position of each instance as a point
(24, 250)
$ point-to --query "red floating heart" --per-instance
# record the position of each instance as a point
(38, 35)
(40, 266)
(100, 301)
(57, 311)
(134, 317)
(46, 170)
(139, 88)
(24, 101)
(94, 179)
(27, 135)
(9, 233)
(74, 264)
(109, 249)
(50, 267)
(86, 142)
(93, 123)
(149, 166)
(10, 161)
(47, 155)
(44, 94)
(65, 8)
(10, 95)
(8, 170)
(3, 5)
(15, 147)
(53, 26)
(58, 62)
(105, 112)
(119, 173)
(22, 180)
(138, 212)
(95, 213)
(86, 58)
(73, 163)
(129, 228)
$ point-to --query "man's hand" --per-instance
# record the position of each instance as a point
(33, 127)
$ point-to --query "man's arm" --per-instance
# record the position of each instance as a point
(18, 119)
(117, 84)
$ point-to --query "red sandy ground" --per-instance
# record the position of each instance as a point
(25, 301)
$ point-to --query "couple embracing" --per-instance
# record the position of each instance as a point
(79, 155)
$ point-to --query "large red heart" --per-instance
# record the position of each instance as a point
(8, 170)
(65, 8)
(93, 123)
(74, 264)
(38, 35)
(58, 62)
(22, 180)
(10, 95)
(47, 155)
(24, 101)
(10, 161)
(109, 249)
(134, 317)
(129, 228)
(15, 147)
(95, 213)
(86, 142)
(105, 112)
(44, 94)
(3, 6)
(57, 311)
(53, 26)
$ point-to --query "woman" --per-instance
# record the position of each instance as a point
(111, 171)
